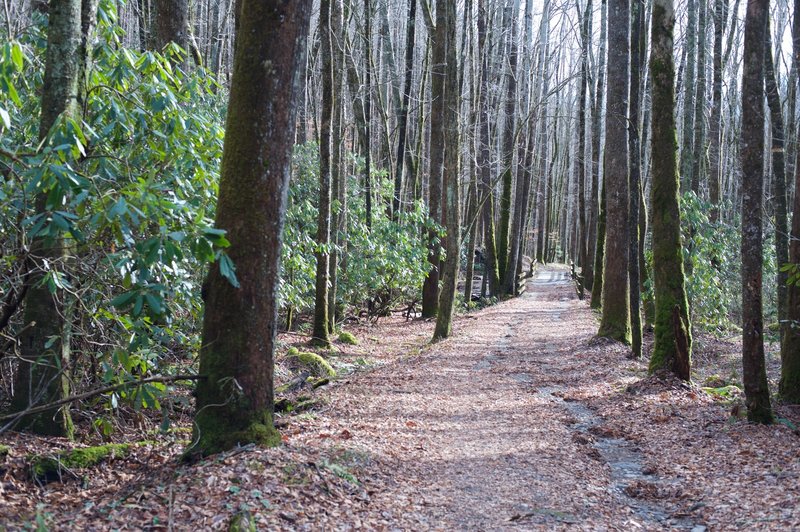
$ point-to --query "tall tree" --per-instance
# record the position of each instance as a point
(689, 79)
(754, 374)
(583, 245)
(402, 119)
(41, 374)
(430, 288)
(368, 111)
(510, 18)
(699, 141)
(714, 152)
(235, 398)
(790, 347)
(673, 338)
(446, 24)
(779, 199)
(615, 321)
(485, 154)
(338, 180)
(171, 21)
(634, 134)
(597, 222)
(328, 108)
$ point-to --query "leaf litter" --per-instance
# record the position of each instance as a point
(521, 420)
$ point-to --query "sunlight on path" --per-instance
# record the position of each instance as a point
(486, 430)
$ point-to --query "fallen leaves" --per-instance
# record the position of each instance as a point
(498, 426)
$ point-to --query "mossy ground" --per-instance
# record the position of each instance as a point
(313, 361)
(45, 468)
(347, 338)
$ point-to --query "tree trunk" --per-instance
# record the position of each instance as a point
(368, 112)
(699, 142)
(484, 163)
(430, 289)
(322, 280)
(580, 160)
(338, 179)
(637, 63)
(446, 23)
(754, 375)
(171, 20)
(41, 372)
(672, 347)
(715, 166)
(790, 347)
(615, 321)
(510, 19)
(778, 178)
(402, 119)
(597, 220)
(687, 133)
(235, 399)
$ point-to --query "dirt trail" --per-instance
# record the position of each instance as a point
(487, 440)
(521, 420)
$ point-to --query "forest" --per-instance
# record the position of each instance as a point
(399, 264)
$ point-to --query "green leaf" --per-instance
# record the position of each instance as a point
(17, 57)
(155, 303)
(228, 269)
(123, 299)
(137, 306)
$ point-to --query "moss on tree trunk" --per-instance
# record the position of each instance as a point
(235, 400)
(672, 347)
(41, 375)
(615, 321)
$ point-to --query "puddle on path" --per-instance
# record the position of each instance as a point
(624, 459)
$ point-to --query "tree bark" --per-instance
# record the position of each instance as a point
(451, 206)
(689, 78)
(583, 241)
(328, 108)
(171, 21)
(778, 178)
(430, 288)
(672, 346)
(510, 22)
(790, 347)
(41, 372)
(597, 223)
(637, 63)
(699, 141)
(402, 119)
(615, 321)
(487, 211)
(754, 375)
(714, 153)
(368, 112)
(235, 402)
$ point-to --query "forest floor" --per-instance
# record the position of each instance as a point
(521, 420)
